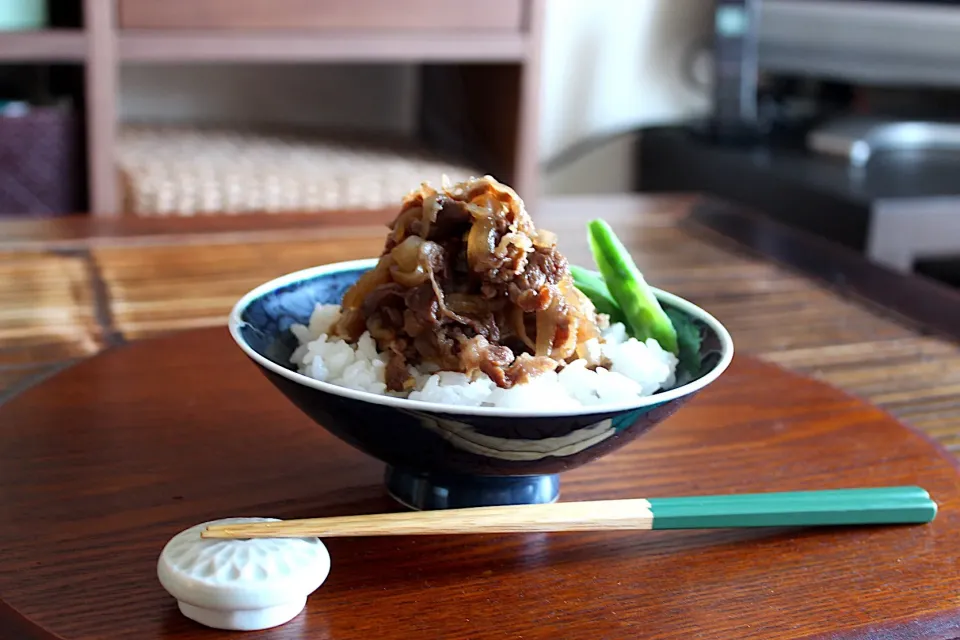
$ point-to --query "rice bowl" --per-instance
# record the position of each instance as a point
(464, 451)
(471, 358)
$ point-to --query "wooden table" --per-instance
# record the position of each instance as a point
(101, 465)
(71, 288)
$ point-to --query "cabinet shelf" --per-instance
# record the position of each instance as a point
(47, 45)
(318, 46)
(494, 59)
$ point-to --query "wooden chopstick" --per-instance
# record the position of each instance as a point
(882, 505)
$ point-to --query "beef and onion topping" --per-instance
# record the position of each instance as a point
(467, 282)
(469, 303)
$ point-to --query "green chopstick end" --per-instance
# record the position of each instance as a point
(836, 507)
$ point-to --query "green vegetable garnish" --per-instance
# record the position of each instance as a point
(643, 313)
(592, 285)
(688, 340)
(673, 330)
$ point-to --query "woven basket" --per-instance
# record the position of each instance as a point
(183, 171)
(39, 172)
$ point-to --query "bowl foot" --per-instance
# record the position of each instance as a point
(427, 491)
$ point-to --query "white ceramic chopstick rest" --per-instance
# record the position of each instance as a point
(241, 585)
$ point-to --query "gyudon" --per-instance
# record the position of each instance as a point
(469, 303)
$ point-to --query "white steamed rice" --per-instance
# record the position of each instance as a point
(638, 369)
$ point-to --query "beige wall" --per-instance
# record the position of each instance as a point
(611, 65)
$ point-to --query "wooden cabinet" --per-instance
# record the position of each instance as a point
(480, 84)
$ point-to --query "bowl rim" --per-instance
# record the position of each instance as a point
(235, 322)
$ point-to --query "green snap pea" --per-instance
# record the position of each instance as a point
(591, 284)
(641, 309)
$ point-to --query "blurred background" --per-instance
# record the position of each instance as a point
(833, 116)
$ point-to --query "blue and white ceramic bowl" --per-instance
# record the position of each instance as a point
(444, 456)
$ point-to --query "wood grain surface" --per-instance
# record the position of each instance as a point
(102, 464)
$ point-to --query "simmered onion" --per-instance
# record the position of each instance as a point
(431, 207)
(466, 304)
(518, 240)
(518, 323)
(544, 238)
(568, 347)
(547, 328)
(581, 306)
(401, 225)
(366, 283)
(406, 255)
(407, 268)
(481, 241)
(409, 279)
